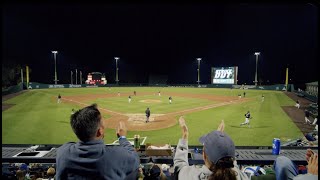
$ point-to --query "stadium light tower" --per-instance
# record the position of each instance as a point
(198, 59)
(117, 58)
(256, 77)
(55, 66)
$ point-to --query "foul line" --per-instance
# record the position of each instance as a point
(203, 107)
(88, 105)
(186, 110)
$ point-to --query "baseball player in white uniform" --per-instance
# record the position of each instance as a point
(247, 115)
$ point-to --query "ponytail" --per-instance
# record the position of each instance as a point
(223, 170)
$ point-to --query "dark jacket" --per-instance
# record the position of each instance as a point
(307, 113)
(95, 160)
(148, 112)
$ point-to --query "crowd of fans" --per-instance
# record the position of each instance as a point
(91, 159)
(32, 171)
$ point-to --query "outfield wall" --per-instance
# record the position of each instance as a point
(276, 87)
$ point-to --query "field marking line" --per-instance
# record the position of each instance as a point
(145, 138)
(203, 107)
(113, 112)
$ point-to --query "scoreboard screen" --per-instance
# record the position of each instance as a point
(224, 75)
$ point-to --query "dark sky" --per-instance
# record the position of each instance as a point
(163, 39)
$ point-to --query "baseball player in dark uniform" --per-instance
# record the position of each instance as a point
(306, 116)
(297, 104)
(244, 94)
(248, 116)
(147, 115)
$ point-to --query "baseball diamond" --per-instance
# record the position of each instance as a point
(203, 108)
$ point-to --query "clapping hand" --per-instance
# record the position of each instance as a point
(313, 164)
(184, 128)
(221, 126)
(121, 129)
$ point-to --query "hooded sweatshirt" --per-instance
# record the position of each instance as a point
(95, 160)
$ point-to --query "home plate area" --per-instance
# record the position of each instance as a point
(140, 119)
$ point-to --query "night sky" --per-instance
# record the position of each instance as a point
(163, 39)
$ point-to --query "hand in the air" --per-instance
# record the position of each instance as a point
(122, 129)
(184, 128)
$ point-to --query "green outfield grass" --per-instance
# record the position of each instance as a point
(38, 119)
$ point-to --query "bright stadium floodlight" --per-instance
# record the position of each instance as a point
(55, 66)
(198, 59)
(117, 58)
(256, 76)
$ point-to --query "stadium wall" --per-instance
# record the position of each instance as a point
(276, 87)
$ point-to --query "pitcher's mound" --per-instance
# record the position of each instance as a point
(137, 122)
(150, 101)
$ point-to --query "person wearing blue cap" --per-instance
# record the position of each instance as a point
(218, 155)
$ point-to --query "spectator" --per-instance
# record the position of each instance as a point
(90, 158)
(154, 172)
(21, 175)
(50, 173)
(286, 169)
(165, 169)
(218, 154)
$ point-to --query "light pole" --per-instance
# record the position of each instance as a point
(80, 77)
(117, 58)
(71, 77)
(256, 77)
(76, 76)
(55, 66)
(198, 59)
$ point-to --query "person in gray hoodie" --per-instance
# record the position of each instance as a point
(218, 155)
(90, 158)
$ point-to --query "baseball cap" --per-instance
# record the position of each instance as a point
(217, 145)
(24, 167)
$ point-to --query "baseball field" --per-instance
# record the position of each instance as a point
(37, 118)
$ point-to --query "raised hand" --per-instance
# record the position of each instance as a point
(221, 126)
(308, 154)
(122, 129)
(313, 164)
(184, 128)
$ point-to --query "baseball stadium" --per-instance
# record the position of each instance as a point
(151, 97)
(203, 109)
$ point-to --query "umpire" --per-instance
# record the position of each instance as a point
(147, 114)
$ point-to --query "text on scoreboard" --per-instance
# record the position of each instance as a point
(224, 75)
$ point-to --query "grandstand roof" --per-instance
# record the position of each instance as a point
(315, 83)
